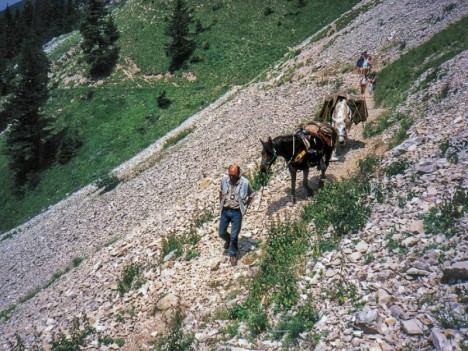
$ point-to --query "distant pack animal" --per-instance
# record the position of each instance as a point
(343, 110)
(342, 120)
(311, 146)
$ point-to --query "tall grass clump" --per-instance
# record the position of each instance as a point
(176, 339)
(107, 182)
(132, 278)
(259, 179)
(444, 218)
(293, 324)
(176, 243)
(397, 167)
(368, 166)
(74, 340)
(341, 205)
(203, 218)
(396, 79)
(385, 121)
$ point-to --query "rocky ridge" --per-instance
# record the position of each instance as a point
(160, 200)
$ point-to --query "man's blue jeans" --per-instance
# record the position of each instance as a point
(235, 218)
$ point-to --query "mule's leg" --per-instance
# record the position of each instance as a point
(292, 172)
(334, 156)
(305, 182)
(323, 168)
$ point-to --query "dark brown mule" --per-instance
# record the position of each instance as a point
(322, 138)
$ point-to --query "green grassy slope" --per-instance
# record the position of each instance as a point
(121, 117)
(395, 80)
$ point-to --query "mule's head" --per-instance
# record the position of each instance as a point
(268, 155)
(342, 120)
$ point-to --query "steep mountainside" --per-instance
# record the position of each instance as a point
(398, 269)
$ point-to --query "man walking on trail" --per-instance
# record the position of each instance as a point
(234, 197)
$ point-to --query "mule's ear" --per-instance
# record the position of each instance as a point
(263, 143)
(270, 141)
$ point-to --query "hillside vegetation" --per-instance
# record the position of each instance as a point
(117, 118)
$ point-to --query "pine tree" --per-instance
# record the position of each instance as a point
(3, 83)
(182, 43)
(25, 20)
(28, 132)
(11, 46)
(100, 37)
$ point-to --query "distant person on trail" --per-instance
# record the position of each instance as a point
(234, 197)
(363, 83)
(359, 63)
(367, 64)
(371, 82)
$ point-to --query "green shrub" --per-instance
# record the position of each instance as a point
(162, 101)
(394, 244)
(7, 313)
(292, 325)
(449, 7)
(79, 330)
(325, 244)
(368, 165)
(450, 319)
(172, 242)
(107, 182)
(444, 218)
(192, 238)
(343, 292)
(257, 321)
(239, 311)
(105, 340)
(443, 147)
(386, 120)
(369, 258)
(276, 280)
(176, 340)
(353, 91)
(221, 315)
(132, 278)
(7, 236)
(77, 261)
(203, 218)
(259, 179)
(397, 167)
(231, 329)
(341, 205)
(268, 11)
(191, 254)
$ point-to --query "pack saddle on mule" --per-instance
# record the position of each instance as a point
(310, 146)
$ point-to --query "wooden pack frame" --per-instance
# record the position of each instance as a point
(357, 104)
